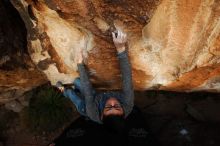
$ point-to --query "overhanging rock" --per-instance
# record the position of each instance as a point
(173, 45)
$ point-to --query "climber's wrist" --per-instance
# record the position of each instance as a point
(80, 62)
(120, 49)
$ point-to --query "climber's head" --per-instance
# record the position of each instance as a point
(113, 116)
(111, 103)
(113, 107)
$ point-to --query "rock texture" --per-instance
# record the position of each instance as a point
(18, 74)
(185, 35)
(173, 44)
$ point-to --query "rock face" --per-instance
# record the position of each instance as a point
(172, 44)
(184, 37)
(18, 74)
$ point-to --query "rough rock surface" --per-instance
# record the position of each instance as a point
(18, 74)
(173, 44)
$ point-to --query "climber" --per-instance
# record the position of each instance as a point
(111, 117)
(108, 106)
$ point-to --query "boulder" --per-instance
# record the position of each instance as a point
(172, 45)
(18, 73)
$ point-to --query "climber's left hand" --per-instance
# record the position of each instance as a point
(119, 39)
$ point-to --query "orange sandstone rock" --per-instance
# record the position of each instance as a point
(172, 45)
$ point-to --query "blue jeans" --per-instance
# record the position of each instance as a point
(79, 102)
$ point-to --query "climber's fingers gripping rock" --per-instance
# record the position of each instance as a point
(119, 39)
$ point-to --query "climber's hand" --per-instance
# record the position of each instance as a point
(79, 57)
(61, 89)
(119, 39)
(60, 86)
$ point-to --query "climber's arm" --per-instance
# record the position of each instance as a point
(125, 67)
(127, 86)
(87, 91)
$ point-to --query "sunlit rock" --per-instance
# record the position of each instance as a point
(172, 45)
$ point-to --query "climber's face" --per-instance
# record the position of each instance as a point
(113, 107)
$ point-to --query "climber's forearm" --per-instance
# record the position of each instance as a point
(91, 108)
(127, 85)
(85, 83)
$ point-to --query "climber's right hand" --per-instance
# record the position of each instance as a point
(79, 57)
